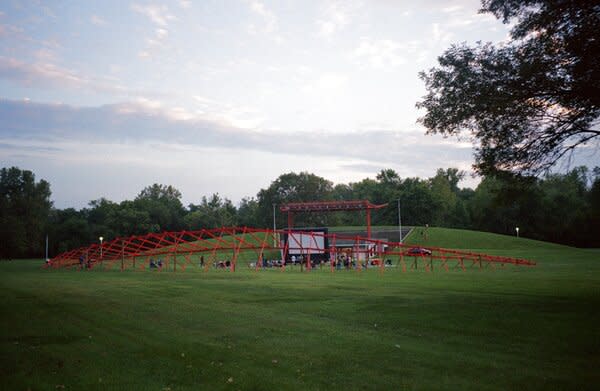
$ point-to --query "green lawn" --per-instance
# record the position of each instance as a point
(474, 240)
(510, 328)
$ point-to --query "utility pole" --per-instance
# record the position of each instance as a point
(274, 228)
(399, 221)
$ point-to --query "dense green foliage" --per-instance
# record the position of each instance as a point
(24, 209)
(513, 328)
(563, 208)
(527, 102)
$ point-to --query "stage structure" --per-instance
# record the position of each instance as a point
(227, 247)
(299, 241)
(330, 206)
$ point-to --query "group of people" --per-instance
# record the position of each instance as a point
(222, 264)
(85, 264)
(156, 265)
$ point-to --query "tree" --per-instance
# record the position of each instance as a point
(127, 220)
(443, 196)
(416, 202)
(69, 229)
(594, 215)
(163, 205)
(564, 202)
(24, 209)
(528, 103)
(212, 212)
(247, 212)
(98, 216)
(292, 187)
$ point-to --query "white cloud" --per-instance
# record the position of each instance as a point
(45, 55)
(439, 35)
(44, 72)
(154, 122)
(185, 4)
(158, 14)
(326, 89)
(161, 33)
(268, 16)
(330, 82)
(452, 9)
(242, 117)
(49, 75)
(98, 21)
(382, 53)
(335, 16)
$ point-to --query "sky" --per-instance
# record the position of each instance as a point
(104, 98)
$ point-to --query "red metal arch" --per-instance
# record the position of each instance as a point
(135, 251)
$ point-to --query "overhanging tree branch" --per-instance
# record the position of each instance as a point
(527, 103)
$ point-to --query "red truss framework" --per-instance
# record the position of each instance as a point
(330, 206)
(208, 247)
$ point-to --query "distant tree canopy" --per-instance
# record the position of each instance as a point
(527, 103)
(293, 187)
(24, 209)
(563, 208)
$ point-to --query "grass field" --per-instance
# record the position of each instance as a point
(505, 329)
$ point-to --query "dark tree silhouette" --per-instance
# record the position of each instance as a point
(527, 103)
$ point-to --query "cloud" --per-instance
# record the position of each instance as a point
(335, 16)
(439, 35)
(161, 33)
(268, 16)
(10, 30)
(48, 75)
(132, 144)
(362, 167)
(379, 54)
(452, 9)
(98, 21)
(158, 14)
(150, 121)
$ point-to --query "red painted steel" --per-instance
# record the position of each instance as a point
(230, 242)
(330, 206)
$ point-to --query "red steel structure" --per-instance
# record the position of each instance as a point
(330, 206)
(209, 247)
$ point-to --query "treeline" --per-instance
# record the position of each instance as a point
(562, 208)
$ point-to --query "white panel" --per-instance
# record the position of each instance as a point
(302, 243)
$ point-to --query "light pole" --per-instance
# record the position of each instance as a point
(101, 239)
(399, 222)
(517, 229)
(274, 227)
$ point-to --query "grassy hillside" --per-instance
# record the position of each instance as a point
(465, 239)
(509, 328)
